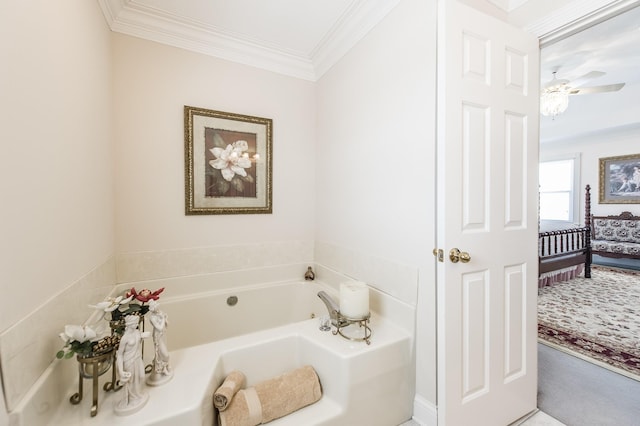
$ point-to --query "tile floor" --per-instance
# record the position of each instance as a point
(538, 419)
(541, 419)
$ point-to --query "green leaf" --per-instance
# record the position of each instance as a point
(68, 355)
(60, 354)
(238, 184)
(218, 141)
(222, 186)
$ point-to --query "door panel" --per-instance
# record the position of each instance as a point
(475, 335)
(515, 170)
(487, 206)
(475, 163)
(514, 321)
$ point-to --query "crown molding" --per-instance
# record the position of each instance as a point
(352, 27)
(134, 19)
(514, 4)
(576, 16)
(127, 17)
(500, 4)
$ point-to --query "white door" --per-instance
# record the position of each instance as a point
(486, 207)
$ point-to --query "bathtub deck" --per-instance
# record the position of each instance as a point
(186, 399)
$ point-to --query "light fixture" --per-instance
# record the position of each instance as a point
(554, 97)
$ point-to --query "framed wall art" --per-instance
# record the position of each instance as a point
(620, 179)
(227, 162)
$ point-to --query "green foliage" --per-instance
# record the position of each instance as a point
(75, 347)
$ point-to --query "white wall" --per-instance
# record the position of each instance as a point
(57, 154)
(152, 84)
(375, 157)
(592, 147)
(57, 169)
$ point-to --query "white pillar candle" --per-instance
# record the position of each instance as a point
(354, 299)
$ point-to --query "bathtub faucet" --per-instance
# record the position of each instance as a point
(334, 311)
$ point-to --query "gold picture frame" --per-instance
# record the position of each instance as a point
(228, 162)
(620, 179)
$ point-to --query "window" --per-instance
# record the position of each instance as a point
(557, 190)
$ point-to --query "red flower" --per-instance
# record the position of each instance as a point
(145, 294)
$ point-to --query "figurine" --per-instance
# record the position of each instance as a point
(131, 368)
(161, 372)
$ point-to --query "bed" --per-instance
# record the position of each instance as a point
(564, 254)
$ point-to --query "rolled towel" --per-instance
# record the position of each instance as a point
(273, 398)
(231, 385)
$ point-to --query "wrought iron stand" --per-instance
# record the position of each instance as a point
(91, 368)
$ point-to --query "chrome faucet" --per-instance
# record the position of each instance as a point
(334, 311)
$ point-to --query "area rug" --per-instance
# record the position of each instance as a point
(597, 319)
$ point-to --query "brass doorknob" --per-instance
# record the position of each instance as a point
(455, 255)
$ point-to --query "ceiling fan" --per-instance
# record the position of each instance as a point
(554, 95)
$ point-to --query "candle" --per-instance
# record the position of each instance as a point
(354, 299)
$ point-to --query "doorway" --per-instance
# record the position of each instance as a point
(599, 59)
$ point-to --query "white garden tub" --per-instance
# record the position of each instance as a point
(270, 330)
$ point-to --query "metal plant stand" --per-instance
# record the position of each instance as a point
(93, 367)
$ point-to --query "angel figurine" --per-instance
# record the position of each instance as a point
(161, 372)
(131, 368)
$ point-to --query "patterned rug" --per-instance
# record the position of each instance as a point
(597, 319)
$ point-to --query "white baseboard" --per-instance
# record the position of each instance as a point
(424, 412)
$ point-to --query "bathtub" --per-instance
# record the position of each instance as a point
(264, 331)
(228, 313)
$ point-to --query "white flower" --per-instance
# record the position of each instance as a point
(231, 161)
(110, 304)
(80, 333)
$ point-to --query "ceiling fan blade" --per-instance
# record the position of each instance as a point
(597, 89)
(588, 76)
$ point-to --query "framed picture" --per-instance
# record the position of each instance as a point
(620, 180)
(227, 162)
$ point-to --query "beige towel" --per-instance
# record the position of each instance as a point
(232, 384)
(273, 398)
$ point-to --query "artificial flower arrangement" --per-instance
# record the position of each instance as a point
(83, 340)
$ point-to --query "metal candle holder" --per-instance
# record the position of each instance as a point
(343, 321)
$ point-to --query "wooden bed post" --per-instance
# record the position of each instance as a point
(589, 225)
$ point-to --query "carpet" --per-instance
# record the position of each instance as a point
(580, 393)
(597, 319)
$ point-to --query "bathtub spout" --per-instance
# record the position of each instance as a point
(334, 310)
